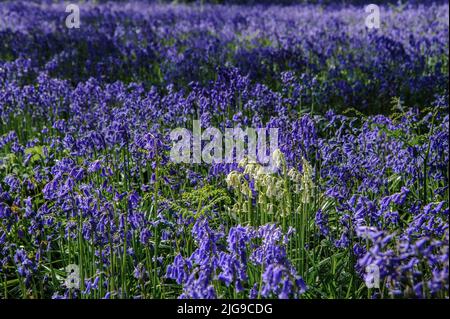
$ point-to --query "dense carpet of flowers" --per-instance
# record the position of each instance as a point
(362, 166)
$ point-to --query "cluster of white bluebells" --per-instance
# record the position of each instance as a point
(273, 188)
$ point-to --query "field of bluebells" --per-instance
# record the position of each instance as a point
(87, 187)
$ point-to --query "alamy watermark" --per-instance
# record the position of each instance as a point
(73, 19)
(372, 277)
(373, 19)
(73, 277)
(212, 146)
